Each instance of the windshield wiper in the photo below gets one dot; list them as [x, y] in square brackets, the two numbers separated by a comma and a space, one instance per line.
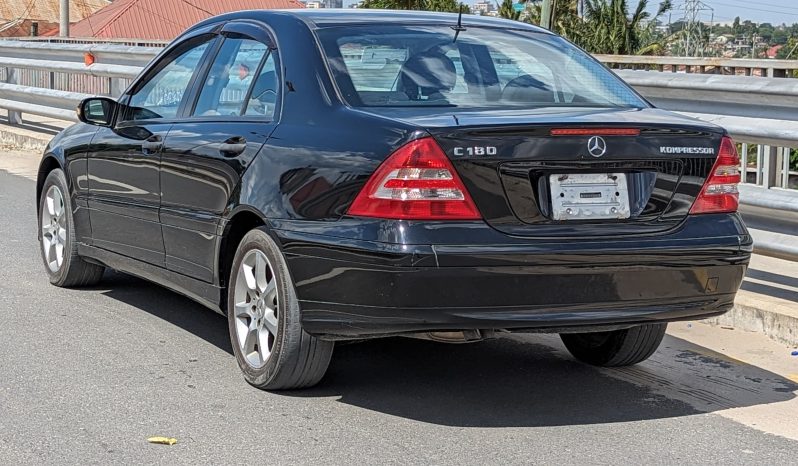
[459, 27]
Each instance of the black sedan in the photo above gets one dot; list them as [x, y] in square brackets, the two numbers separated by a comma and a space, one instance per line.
[320, 176]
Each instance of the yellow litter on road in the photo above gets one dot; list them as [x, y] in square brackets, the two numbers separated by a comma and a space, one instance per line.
[162, 440]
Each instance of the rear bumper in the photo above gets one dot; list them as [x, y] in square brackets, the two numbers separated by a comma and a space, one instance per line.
[351, 288]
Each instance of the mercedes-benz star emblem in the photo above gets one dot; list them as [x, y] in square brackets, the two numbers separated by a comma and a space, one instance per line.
[596, 146]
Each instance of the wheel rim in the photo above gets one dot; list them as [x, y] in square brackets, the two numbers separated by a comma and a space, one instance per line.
[54, 231]
[594, 340]
[256, 313]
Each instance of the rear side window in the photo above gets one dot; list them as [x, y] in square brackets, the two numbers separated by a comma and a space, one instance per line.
[418, 65]
[232, 73]
[263, 96]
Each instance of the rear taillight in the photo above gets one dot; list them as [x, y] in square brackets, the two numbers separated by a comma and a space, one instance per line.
[719, 193]
[417, 182]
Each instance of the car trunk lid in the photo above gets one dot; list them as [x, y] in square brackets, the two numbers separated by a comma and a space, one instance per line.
[513, 162]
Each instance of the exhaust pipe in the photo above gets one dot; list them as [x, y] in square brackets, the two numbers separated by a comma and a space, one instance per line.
[455, 336]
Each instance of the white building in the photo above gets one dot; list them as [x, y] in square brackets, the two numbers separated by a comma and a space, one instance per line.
[483, 7]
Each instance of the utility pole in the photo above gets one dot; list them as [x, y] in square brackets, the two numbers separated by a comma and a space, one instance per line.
[712, 26]
[753, 45]
[63, 30]
[547, 14]
[693, 39]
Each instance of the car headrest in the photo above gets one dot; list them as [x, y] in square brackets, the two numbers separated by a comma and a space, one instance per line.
[267, 81]
[427, 73]
[527, 89]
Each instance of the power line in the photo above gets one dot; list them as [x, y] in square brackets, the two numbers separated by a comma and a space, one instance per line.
[87, 11]
[162, 17]
[187, 2]
[758, 9]
[747, 4]
[21, 17]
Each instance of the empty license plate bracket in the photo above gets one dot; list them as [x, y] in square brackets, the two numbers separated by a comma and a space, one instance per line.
[589, 196]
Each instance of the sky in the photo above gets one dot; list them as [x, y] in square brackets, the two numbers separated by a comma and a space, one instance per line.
[767, 11]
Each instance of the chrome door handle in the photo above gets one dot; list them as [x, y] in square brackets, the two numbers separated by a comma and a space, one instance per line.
[152, 145]
[233, 146]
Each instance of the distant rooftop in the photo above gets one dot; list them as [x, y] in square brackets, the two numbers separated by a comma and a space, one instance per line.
[161, 19]
[18, 16]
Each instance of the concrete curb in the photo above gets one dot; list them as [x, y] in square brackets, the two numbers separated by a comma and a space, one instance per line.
[782, 328]
[25, 139]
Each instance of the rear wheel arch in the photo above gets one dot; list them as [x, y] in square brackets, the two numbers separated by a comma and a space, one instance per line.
[238, 225]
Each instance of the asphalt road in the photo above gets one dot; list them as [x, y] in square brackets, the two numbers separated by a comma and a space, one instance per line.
[87, 375]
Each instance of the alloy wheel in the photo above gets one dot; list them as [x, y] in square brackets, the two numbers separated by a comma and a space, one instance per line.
[256, 314]
[54, 228]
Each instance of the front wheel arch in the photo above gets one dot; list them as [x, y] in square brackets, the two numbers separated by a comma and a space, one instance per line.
[48, 164]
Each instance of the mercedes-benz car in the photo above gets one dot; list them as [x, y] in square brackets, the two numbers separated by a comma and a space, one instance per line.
[319, 176]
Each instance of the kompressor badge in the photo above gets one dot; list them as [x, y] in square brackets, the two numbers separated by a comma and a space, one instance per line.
[686, 150]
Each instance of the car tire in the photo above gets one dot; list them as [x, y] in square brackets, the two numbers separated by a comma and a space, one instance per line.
[261, 298]
[615, 348]
[59, 250]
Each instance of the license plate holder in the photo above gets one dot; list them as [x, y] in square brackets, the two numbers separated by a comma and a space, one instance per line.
[589, 196]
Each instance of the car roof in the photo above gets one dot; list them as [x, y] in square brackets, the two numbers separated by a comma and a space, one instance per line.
[324, 17]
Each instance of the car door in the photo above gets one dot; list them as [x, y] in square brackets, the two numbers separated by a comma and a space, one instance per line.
[124, 160]
[205, 154]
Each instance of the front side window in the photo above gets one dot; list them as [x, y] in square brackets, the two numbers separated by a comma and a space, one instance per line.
[161, 95]
[422, 65]
[232, 73]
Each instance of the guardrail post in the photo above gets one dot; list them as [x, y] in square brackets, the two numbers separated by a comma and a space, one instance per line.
[14, 117]
[770, 166]
[115, 87]
[744, 162]
[785, 167]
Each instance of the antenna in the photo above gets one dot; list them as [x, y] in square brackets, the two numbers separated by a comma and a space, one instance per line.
[459, 27]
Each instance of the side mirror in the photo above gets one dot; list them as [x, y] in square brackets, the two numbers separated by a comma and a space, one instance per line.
[97, 111]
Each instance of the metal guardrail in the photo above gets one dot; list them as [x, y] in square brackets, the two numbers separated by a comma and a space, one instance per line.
[760, 111]
[117, 64]
[715, 65]
[772, 218]
[91, 40]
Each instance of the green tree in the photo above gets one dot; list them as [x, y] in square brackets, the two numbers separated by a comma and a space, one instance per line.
[609, 28]
[506, 10]
[427, 5]
[790, 49]
[566, 21]
[780, 36]
[736, 29]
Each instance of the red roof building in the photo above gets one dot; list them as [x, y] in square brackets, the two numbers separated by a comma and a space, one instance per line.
[773, 51]
[18, 17]
[162, 19]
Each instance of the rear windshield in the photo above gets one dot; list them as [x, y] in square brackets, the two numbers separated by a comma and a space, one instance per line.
[423, 65]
